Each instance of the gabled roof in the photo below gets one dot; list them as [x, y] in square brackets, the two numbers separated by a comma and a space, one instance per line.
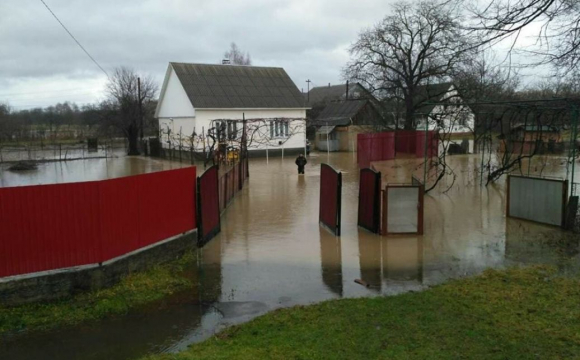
[425, 94]
[341, 113]
[326, 94]
[233, 86]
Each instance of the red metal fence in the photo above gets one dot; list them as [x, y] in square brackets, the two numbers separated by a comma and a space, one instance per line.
[208, 209]
[231, 182]
[375, 147]
[330, 198]
[386, 145]
[56, 226]
[369, 200]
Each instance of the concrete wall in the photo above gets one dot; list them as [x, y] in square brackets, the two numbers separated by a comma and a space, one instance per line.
[63, 283]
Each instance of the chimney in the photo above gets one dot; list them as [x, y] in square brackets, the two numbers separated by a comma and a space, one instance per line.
[328, 84]
[225, 61]
[347, 90]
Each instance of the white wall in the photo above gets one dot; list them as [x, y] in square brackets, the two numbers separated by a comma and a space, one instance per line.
[174, 101]
[203, 121]
[298, 129]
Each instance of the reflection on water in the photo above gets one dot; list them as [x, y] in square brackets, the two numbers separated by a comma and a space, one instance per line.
[271, 253]
[84, 170]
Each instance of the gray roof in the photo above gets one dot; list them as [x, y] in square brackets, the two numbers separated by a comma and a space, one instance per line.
[326, 94]
[232, 86]
[340, 113]
[429, 94]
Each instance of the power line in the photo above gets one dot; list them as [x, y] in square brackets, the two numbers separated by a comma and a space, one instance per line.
[72, 36]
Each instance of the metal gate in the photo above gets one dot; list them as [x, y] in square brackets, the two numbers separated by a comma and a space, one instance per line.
[369, 200]
[403, 209]
[330, 198]
[208, 210]
[537, 199]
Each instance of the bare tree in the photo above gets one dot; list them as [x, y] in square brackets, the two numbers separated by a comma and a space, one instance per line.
[127, 98]
[419, 44]
[236, 56]
[558, 37]
[482, 79]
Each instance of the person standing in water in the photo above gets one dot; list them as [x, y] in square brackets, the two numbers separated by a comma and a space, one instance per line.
[301, 162]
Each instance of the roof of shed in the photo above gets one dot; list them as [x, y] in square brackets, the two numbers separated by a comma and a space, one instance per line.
[231, 86]
[340, 113]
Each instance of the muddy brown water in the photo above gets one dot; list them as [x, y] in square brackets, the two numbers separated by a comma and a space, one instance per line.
[272, 253]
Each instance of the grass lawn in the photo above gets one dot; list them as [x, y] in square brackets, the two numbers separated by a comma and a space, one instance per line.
[134, 290]
[512, 314]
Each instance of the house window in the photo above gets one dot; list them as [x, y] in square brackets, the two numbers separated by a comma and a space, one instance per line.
[279, 128]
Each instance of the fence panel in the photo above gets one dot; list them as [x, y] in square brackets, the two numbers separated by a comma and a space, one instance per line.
[369, 200]
[405, 141]
[432, 144]
[330, 198]
[375, 147]
[537, 199]
[48, 227]
[208, 205]
[403, 209]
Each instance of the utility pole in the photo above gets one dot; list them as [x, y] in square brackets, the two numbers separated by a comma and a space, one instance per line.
[308, 91]
[140, 108]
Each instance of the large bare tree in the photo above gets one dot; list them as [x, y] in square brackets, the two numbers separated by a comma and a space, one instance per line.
[419, 44]
[236, 56]
[129, 94]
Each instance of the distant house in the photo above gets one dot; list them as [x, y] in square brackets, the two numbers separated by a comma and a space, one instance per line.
[197, 97]
[528, 139]
[340, 122]
[322, 95]
[441, 107]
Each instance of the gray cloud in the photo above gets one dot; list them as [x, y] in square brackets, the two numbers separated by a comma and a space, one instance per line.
[308, 38]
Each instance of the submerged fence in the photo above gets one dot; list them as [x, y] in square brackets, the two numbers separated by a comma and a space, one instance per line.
[59, 152]
[387, 145]
[537, 199]
[231, 182]
[48, 227]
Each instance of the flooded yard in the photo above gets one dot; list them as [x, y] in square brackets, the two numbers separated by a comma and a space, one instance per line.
[272, 253]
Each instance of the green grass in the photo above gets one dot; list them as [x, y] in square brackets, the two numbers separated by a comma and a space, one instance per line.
[132, 291]
[512, 314]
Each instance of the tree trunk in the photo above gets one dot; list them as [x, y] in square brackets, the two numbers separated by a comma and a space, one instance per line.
[409, 113]
[133, 137]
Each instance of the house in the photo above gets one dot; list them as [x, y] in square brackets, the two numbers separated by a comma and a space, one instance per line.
[326, 94]
[198, 100]
[528, 139]
[442, 106]
[340, 122]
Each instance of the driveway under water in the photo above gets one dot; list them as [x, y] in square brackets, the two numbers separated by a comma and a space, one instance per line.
[272, 253]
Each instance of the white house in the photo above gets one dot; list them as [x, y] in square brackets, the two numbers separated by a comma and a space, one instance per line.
[198, 97]
[444, 109]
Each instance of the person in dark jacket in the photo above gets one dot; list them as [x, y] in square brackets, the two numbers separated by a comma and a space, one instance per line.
[301, 162]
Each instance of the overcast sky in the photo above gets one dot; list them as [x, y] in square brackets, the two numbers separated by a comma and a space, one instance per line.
[41, 65]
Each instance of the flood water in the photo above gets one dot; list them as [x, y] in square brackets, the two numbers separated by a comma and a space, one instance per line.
[272, 253]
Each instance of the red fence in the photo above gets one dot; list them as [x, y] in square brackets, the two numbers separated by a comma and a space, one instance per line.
[208, 206]
[330, 198]
[432, 144]
[406, 141]
[375, 147]
[49, 227]
[369, 200]
[385, 145]
[231, 182]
